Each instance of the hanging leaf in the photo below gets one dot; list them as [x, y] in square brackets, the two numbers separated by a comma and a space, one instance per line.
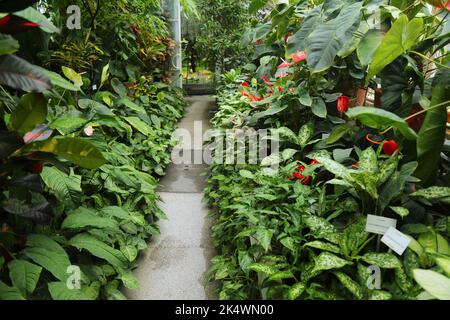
[8, 45]
[399, 39]
[31, 111]
[327, 39]
[72, 75]
[381, 119]
[20, 74]
[79, 151]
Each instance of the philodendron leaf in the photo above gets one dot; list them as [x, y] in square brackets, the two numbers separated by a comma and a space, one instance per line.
[380, 119]
[24, 276]
[399, 39]
[31, 111]
[434, 283]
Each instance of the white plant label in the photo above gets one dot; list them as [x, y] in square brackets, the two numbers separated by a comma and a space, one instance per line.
[396, 240]
[379, 225]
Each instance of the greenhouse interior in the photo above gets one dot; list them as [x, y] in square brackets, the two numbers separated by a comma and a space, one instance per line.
[225, 150]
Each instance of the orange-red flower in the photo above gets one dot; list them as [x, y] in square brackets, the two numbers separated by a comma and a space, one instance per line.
[389, 147]
[342, 103]
[299, 56]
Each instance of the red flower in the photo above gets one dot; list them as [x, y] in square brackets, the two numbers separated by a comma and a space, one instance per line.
[244, 93]
[280, 89]
[4, 21]
[36, 168]
[254, 98]
[299, 56]
[244, 84]
[389, 147]
[440, 4]
[298, 175]
[285, 65]
[342, 104]
[314, 162]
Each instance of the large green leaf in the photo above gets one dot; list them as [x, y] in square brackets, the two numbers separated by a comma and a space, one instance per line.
[99, 249]
[400, 38]
[433, 193]
[434, 283]
[60, 291]
[381, 119]
[328, 261]
[83, 217]
[31, 111]
[9, 293]
[57, 80]
[350, 284]
[255, 5]
[19, 74]
[382, 260]
[139, 125]
[67, 188]
[327, 39]
[77, 150]
[24, 276]
[48, 254]
[432, 134]
[368, 46]
[335, 168]
[8, 45]
[33, 15]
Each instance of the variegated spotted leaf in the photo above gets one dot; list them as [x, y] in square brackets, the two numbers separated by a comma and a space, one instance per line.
[323, 246]
[402, 280]
[351, 285]
[379, 295]
[265, 269]
[387, 169]
[285, 134]
[354, 237]
[281, 275]
[366, 181]
[433, 193]
[335, 168]
[368, 161]
[401, 211]
[296, 290]
[382, 260]
[321, 228]
[328, 261]
[305, 134]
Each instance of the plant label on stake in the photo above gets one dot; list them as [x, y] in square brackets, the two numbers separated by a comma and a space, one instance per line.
[396, 240]
[379, 225]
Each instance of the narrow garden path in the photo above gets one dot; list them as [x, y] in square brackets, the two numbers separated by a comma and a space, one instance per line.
[175, 265]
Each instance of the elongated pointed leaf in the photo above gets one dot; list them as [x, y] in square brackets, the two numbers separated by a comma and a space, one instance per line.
[22, 75]
[24, 275]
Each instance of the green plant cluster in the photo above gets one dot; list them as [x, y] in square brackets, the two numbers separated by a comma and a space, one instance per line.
[299, 232]
[79, 164]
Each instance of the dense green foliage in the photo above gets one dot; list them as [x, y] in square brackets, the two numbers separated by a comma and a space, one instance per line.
[83, 143]
[299, 232]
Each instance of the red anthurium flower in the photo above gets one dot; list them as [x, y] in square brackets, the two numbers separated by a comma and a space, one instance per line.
[4, 20]
[285, 65]
[15, 24]
[342, 104]
[298, 175]
[244, 93]
[299, 56]
[314, 162]
[280, 89]
[244, 84]
[440, 4]
[389, 147]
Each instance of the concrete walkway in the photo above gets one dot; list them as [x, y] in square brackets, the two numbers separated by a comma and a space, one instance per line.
[175, 265]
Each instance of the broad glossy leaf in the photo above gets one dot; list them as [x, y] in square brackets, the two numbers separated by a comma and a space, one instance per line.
[24, 276]
[335, 168]
[48, 254]
[381, 119]
[60, 291]
[434, 283]
[57, 80]
[328, 261]
[8, 45]
[79, 151]
[139, 125]
[66, 188]
[83, 217]
[327, 39]
[72, 75]
[432, 134]
[368, 45]
[337, 133]
[319, 108]
[99, 249]
[9, 293]
[33, 15]
[399, 39]
[19, 74]
[31, 111]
